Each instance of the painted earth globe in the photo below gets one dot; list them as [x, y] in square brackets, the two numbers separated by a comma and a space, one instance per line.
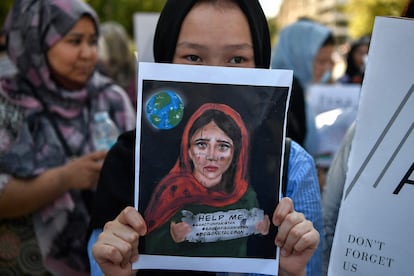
[165, 110]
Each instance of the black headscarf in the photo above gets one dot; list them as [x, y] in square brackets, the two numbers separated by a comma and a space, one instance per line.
[174, 12]
[165, 40]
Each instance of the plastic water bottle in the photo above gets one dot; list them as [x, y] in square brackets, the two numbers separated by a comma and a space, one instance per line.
[105, 133]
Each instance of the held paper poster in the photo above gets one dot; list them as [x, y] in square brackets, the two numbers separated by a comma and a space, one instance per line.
[210, 143]
[335, 107]
[374, 232]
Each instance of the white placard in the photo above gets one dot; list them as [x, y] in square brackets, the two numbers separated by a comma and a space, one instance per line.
[335, 107]
[375, 226]
[144, 29]
[325, 97]
[244, 89]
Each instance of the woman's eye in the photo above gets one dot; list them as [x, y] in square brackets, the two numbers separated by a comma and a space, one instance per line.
[74, 41]
[201, 145]
[193, 58]
[223, 147]
[93, 41]
[237, 60]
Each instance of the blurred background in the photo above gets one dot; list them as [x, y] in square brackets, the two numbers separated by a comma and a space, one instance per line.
[348, 18]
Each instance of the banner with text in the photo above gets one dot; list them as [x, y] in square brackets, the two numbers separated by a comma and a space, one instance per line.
[374, 230]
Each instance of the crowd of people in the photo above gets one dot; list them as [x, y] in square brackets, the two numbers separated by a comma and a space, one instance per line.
[66, 208]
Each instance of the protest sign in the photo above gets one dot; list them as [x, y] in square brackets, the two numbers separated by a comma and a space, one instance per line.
[374, 231]
[326, 97]
[144, 29]
[335, 108]
[176, 137]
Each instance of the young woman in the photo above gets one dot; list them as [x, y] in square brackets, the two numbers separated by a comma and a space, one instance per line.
[305, 47]
[355, 61]
[48, 165]
[206, 32]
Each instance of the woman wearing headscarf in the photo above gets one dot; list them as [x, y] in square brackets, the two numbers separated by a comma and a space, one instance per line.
[355, 61]
[306, 48]
[48, 165]
[173, 24]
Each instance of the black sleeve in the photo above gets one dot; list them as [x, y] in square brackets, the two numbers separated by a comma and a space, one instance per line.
[296, 119]
[115, 189]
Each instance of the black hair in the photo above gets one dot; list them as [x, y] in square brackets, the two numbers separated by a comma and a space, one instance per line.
[228, 126]
[408, 9]
[330, 40]
[352, 69]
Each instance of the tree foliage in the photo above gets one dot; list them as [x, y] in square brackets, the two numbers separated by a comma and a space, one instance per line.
[362, 14]
[5, 6]
[273, 29]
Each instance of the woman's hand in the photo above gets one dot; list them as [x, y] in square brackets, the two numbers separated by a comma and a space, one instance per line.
[31, 194]
[179, 231]
[296, 237]
[263, 226]
[82, 172]
[117, 246]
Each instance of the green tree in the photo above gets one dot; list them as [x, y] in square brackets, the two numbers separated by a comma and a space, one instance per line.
[5, 6]
[273, 29]
[362, 14]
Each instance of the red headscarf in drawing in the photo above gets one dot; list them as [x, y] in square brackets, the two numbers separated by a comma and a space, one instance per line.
[179, 187]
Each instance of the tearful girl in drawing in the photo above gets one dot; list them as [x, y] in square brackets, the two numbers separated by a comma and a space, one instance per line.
[209, 177]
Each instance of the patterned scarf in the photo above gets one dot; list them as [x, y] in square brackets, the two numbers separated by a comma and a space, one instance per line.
[32, 27]
[29, 142]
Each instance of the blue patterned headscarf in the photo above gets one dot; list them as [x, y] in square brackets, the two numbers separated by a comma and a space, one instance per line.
[297, 47]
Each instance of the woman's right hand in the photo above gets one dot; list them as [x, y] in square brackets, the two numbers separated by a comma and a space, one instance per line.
[117, 246]
[179, 231]
[82, 172]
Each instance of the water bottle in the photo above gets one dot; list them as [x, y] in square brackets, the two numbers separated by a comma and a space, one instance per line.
[104, 131]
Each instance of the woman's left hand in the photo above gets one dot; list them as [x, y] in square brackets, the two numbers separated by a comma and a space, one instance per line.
[296, 238]
[263, 226]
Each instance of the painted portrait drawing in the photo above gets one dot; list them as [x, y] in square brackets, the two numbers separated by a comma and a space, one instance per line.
[210, 145]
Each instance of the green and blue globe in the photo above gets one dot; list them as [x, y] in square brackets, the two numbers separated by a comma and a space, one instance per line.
[165, 109]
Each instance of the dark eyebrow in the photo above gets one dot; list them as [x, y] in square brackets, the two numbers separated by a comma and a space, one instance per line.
[191, 45]
[224, 142]
[240, 46]
[202, 139]
[74, 34]
[208, 139]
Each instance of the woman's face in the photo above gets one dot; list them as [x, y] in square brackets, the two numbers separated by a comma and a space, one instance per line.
[215, 35]
[322, 62]
[359, 55]
[72, 59]
[211, 152]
